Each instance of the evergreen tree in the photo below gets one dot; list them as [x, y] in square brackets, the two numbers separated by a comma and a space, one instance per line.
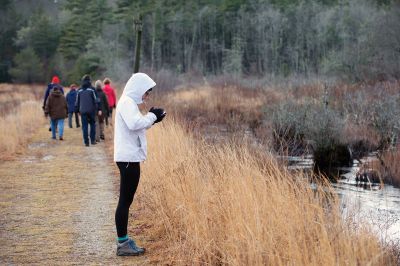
[10, 21]
[354, 39]
[28, 68]
[76, 30]
[42, 35]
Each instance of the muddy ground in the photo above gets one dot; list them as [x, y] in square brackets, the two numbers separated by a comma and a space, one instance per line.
[57, 204]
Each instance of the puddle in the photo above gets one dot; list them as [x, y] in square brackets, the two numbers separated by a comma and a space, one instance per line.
[48, 157]
[37, 145]
[30, 159]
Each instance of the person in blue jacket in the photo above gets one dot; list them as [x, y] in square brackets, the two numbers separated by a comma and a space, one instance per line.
[71, 99]
[87, 104]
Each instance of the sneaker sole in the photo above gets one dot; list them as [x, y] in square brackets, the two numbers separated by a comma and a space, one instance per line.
[130, 254]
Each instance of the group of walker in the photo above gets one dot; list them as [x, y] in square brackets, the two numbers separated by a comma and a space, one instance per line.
[93, 105]
[130, 144]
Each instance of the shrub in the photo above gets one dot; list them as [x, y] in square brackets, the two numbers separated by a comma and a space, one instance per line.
[289, 126]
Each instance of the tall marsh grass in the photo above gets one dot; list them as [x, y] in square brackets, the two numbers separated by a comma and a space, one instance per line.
[18, 126]
[389, 166]
[225, 205]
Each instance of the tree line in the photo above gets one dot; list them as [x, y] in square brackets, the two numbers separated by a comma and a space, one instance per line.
[350, 39]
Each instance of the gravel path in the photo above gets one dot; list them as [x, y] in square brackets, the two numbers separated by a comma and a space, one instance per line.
[57, 205]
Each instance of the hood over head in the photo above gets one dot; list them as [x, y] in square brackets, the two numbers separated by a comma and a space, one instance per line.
[86, 83]
[56, 92]
[137, 86]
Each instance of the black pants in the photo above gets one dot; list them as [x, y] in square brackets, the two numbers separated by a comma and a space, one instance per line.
[130, 175]
[76, 119]
[88, 119]
[109, 115]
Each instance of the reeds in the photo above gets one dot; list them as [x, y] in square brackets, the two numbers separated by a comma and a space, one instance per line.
[225, 205]
[389, 166]
[17, 126]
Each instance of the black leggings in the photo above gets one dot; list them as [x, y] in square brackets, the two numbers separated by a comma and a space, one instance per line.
[130, 174]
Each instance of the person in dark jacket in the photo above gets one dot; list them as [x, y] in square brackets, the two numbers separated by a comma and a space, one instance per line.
[87, 105]
[104, 110]
[56, 108]
[71, 99]
[55, 82]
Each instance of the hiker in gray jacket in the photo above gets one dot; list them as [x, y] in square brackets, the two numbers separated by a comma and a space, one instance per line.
[87, 105]
[104, 109]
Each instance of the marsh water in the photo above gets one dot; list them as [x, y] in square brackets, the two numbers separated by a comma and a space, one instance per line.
[376, 204]
[372, 203]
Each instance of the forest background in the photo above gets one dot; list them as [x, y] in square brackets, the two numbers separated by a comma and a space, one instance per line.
[352, 40]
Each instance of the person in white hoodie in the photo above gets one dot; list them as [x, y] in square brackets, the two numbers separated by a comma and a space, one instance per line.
[130, 148]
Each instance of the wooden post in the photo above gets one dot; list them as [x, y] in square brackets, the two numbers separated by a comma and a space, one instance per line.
[138, 27]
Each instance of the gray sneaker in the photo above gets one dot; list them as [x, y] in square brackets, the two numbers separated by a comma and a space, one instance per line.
[129, 248]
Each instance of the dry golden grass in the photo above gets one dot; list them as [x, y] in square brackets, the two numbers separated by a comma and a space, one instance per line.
[229, 111]
[20, 116]
[389, 167]
[13, 94]
[17, 127]
[220, 99]
[223, 205]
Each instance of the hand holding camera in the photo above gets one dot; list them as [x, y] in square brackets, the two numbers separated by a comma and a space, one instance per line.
[159, 112]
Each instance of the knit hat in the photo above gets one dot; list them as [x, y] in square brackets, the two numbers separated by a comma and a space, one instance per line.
[55, 80]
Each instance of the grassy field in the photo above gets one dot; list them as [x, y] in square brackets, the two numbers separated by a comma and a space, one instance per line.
[222, 202]
[20, 117]
[294, 120]
[226, 205]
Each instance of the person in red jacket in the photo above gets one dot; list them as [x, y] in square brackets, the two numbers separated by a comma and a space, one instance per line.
[111, 97]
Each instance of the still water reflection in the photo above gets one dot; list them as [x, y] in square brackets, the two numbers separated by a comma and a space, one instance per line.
[376, 204]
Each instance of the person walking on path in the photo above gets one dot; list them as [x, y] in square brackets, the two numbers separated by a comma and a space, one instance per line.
[87, 105]
[130, 148]
[56, 108]
[111, 97]
[71, 99]
[104, 110]
[55, 82]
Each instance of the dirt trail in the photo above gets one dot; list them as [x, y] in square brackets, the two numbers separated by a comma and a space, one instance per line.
[57, 205]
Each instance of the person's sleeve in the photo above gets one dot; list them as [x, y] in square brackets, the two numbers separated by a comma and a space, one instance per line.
[47, 106]
[66, 107]
[114, 97]
[77, 102]
[134, 119]
[96, 100]
[46, 95]
[107, 107]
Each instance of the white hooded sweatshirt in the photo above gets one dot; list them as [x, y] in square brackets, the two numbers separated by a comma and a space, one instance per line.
[130, 143]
